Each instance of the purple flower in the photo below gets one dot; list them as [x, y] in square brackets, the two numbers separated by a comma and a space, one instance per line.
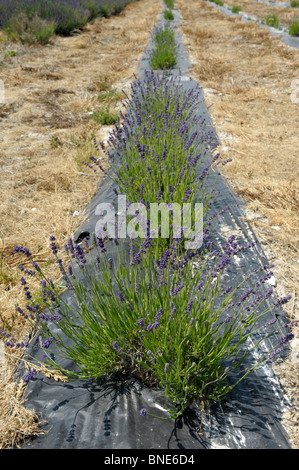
[286, 338]
[158, 315]
[189, 307]
[143, 412]
[177, 289]
[151, 326]
[187, 194]
[30, 375]
[53, 245]
[116, 347]
[283, 300]
[22, 249]
[172, 313]
[228, 318]
[275, 352]
[270, 322]
[136, 259]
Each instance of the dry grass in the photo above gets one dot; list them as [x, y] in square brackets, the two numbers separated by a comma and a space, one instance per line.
[246, 75]
[46, 131]
[262, 10]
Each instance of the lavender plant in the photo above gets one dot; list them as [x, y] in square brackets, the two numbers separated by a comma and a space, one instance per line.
[294, 28]
[158, 152]
[169, 3]
[171, 323]
[164, 53]
[29, 30]
[168, 15]
[67, 15]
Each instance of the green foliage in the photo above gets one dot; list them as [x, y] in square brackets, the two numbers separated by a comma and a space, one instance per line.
[295, 4]
[105, 117]
[30, 30]
[217, 2]
[236, 9]
[9, 54]
[164, 55]
[169, 3]
[294, 28]
[105, 12]
[172, 323]
[110, 96]
[272, 20]
[168, 15]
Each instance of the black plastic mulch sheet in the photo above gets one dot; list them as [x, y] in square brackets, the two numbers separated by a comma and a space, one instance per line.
[85, 414]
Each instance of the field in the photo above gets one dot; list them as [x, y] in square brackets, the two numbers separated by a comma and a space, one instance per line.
[247, 77]
[55, 95]
[46, 131]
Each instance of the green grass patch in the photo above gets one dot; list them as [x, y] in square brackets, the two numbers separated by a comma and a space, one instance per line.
[236, 9]
[294, 28]
[272, 20]
[9, 54]
[105, 116]
[110, 96]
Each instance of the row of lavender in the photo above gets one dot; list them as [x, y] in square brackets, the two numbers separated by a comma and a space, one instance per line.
[156, 311]
[67, 15]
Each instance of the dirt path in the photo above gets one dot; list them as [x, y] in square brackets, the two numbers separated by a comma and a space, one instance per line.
[247, 78]
[46, 131]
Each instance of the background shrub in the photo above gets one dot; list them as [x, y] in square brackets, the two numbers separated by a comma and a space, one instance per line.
[67, 15]
[29, 30]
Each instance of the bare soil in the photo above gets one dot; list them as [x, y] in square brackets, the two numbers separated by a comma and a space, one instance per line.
[247, 75]
[46, 131]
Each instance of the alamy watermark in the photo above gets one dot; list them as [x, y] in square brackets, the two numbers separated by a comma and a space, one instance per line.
[156, 220]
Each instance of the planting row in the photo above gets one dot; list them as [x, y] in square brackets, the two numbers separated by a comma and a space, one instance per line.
[146, 305]
[270, 15]
[42, 18]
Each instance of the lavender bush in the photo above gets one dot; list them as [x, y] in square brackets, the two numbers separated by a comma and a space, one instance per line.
[169, 3]
[66, 14]
[172, 323]
[158, 152]
[164, 53]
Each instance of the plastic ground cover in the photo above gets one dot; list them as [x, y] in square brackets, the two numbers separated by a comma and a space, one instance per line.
[292, 41]
[86, 414]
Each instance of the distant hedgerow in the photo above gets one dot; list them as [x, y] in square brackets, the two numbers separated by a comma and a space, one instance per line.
[67, 15]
